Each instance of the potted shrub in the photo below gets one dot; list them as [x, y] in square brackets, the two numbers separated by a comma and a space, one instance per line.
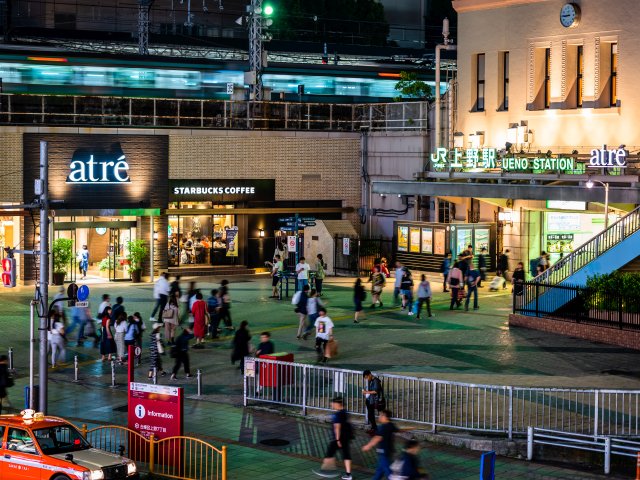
[105, 265]
[138, 252]
[62, 253]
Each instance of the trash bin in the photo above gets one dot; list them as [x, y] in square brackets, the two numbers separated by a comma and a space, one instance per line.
[276, 375]
[36, 397]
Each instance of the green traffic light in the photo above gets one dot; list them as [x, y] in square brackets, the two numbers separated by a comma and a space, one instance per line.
[268, 10]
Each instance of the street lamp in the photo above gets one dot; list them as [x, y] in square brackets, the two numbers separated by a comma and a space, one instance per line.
[590, 184]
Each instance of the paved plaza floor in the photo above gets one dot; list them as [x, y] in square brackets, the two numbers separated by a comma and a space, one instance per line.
[476, 347]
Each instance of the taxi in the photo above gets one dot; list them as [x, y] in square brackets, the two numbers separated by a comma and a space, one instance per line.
[36, 447]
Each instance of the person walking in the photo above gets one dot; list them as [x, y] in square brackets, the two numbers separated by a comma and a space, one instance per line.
[174, 288]
[6, 380]
[200, 320]
[120, 332]
[455, 280]
[321, 266]
[213, 307]
[313, 305]
[503, 266]
[406, 289]
[445, 268]
[79, 318]
[517, 279]
[181, 349]
[241, 347]
[301, 310]
[131, 333]
[324, 333]
[396, 287]
[372, 393]
[83, 261]
[57, 340]
[106, 302]
[384, 445]
[482, 266]
[277, 267]
[409, 462]
[107, 344]
[161, 291]
[359, 295]
[140, 328]
[342, 434]
[424, 295]
[225, 304]
[155, 360]
[302, 270]
[472, 279]
[171, 318]
[377, 286]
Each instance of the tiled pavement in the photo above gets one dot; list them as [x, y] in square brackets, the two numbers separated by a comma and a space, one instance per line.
[477, 347]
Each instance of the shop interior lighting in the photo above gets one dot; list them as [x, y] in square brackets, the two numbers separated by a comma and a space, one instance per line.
[506, 217]
[261, 233]
[155, 235]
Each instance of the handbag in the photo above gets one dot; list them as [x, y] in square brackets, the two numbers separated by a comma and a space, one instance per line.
[167, 313]
[331, 348]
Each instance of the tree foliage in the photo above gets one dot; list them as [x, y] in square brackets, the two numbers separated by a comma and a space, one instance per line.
[332, 21]
[410, 86]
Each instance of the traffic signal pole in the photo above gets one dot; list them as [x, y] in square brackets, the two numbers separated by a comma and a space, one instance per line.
[43, 278]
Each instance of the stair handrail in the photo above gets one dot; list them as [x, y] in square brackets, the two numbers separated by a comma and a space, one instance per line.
[591, 249]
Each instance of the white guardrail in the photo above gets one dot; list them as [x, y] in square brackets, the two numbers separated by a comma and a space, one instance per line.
[440, 404]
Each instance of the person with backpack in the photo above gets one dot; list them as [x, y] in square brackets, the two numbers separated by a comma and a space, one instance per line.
[359, 296]
[373, 398]
[383, 443]
[321, 266]
[301, 309]
[342, 435]
[445, 268]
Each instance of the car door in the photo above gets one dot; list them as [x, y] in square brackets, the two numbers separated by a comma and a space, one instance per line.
[20, 457]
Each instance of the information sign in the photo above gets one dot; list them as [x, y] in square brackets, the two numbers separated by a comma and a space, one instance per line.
[346, 246]
[155, 409]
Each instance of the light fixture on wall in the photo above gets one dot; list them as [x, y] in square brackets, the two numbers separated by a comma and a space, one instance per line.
[261, 233]
[506, 217]
[155, 235]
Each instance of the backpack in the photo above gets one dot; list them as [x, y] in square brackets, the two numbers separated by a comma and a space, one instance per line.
[381, 402]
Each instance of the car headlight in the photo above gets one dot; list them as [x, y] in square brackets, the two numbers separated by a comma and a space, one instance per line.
[131, 468]
[96, 475]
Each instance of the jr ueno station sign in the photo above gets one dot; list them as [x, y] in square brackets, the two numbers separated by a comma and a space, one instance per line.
[491, 160]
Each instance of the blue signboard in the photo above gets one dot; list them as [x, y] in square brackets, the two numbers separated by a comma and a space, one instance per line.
[83, 293]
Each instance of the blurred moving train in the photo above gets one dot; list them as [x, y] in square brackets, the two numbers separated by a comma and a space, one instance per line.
[71, 74]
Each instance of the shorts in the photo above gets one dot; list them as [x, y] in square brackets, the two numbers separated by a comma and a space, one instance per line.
[358, 305]
[406, 293]
[333, 448]
[274, 281]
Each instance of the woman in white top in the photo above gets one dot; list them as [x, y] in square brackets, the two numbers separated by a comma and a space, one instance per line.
[56, 339]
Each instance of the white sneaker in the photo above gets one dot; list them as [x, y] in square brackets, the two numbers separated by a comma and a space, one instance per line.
[152, 319]
[410, 313]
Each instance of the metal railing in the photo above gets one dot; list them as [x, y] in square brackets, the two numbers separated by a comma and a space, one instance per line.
[592, 249]
[79, 111]
[499, 409]
[183, 458]
[572, 303]
[608, 446]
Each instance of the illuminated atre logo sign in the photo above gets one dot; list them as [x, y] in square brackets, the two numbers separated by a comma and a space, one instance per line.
[603, 158]
[98, 168]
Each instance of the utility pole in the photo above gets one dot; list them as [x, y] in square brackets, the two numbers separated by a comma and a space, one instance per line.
[43, 279]
[144, 6]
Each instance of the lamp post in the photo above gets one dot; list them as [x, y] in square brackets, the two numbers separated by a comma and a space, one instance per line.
[590, 184]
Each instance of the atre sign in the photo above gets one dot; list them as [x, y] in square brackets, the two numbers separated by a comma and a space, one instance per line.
[604, 158]
[98, 169]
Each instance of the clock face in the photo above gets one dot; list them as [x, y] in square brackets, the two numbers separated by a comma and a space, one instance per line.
[570, 15]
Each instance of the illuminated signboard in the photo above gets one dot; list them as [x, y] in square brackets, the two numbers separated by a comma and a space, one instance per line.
[478, 159]
[566, 205]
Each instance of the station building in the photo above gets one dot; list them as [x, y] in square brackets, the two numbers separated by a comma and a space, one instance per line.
[545, 107]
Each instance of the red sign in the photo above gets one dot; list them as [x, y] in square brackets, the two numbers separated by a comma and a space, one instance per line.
[155, 409]
[9, 272]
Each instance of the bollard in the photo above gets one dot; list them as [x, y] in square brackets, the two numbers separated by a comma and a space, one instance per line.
[113, 373]
[11, 369]
[154, 375]
[199, 379]
[75, 369]
[529, 443]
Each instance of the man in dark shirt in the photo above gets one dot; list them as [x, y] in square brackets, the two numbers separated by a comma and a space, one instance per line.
[266, 346]
[371, 392]
[342, 435]
[116, 309]
[410, 463]
[383, 442]
[471, 279]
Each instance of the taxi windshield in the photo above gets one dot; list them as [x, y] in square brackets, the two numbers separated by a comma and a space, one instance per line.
[61, 439]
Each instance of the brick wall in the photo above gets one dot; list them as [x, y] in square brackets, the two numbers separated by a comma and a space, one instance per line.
[11, 162]
[305, 167]
[611, 336]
